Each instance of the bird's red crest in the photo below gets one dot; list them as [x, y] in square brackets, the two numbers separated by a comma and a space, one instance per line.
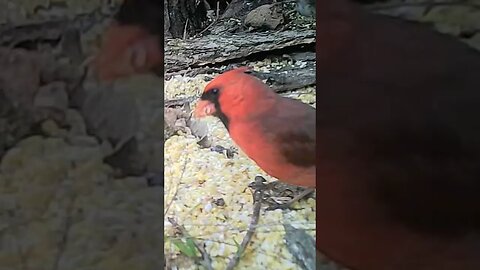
[226, 76]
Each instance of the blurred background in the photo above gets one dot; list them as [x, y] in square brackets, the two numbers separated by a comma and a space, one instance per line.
[75, 154]
[81, 161]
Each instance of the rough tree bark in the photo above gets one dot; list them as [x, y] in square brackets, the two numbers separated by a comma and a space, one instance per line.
[215, 49]
[181, 13]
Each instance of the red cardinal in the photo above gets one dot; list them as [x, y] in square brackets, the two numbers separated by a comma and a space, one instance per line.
[133, 43]
[398, 158]
[278, 133]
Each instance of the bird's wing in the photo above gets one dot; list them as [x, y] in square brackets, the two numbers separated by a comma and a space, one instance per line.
[292, 128]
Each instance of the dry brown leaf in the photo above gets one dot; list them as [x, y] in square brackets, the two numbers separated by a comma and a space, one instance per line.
[200, 130]
[175, 120]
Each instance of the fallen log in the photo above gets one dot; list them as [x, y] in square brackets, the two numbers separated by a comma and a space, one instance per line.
[219, 49]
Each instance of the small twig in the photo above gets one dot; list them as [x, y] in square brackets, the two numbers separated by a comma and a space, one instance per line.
[288, 205]
[185, 30]
[257, 199]
[207, 261]
[214, 21]
[207, 5]
[206, 28]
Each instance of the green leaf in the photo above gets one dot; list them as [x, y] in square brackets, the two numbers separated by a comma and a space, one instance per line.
[236, 243]
[188, 248]
[239, 248]
[192, 246]
[184, 249]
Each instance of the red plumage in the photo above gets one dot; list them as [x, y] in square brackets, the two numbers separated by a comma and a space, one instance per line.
[278, 133]
[133, 43]
[399, 143]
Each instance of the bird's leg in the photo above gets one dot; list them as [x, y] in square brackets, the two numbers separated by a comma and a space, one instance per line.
[288, 205]
[279, 195]
[258, 184]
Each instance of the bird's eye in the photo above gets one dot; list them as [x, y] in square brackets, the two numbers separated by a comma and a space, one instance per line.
[215, 91]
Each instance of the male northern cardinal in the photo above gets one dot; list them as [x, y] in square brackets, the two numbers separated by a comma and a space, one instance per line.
[133, 43]
[278, 133]
[398, 159]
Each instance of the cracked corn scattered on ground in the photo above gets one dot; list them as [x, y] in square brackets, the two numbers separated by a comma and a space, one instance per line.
[195, 178]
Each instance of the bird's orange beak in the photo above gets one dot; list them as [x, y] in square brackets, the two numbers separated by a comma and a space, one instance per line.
[204, 108]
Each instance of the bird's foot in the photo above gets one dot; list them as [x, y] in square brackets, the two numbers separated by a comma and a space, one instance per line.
[258, 188]
[258, 184]
[283, 196]
[279, 195]
[228, 152]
